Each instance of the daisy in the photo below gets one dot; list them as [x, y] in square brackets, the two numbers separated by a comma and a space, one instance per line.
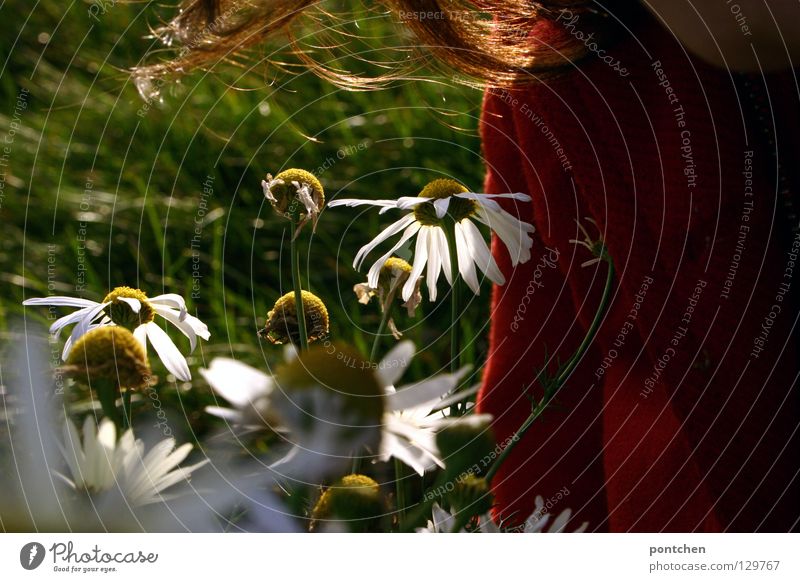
[408, 423]
[443, 522]
[439, 200]
[101, 463]
[131, 308]
[295, 194]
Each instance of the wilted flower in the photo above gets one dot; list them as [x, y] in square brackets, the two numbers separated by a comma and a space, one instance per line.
[282, 324]
[295, 194]
[132, 309]
[596, 246]
[354, 503]
[393, 275]
[447, 199]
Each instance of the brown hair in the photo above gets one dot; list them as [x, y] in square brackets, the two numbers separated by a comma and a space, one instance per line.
[493, 42]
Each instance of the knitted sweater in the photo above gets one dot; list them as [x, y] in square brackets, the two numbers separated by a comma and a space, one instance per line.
[683, 414]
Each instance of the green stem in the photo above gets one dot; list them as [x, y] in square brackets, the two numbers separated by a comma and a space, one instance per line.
[298, 292]
[400, 487]
[107, 395]
[127, 413]
[387, 311]
[554, 385]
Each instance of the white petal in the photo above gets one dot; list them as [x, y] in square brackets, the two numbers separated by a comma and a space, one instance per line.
[420, 258]
[408, 202]
[444, 249]
[423, 392]
[174, 317]
[375, 270]
[59, 300]
[394, 363]
[236, 382]
[465, 265]
[167, 351]
[140, 333]
[351, 202]
[171, 300]
[478, 196]
[387, 232]
[441, 205]
[73, 317]
[82, 327]
[133, 303]
[513, 232]
[434, 263]
[480, 252]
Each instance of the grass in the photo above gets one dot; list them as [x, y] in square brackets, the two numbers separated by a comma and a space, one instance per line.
[89, 162]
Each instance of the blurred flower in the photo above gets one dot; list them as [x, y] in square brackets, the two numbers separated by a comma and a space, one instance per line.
[102, 463]
[443, 522]
[393, 275]
[132, 309]
[353, 504]
[109, 353]
[409, 427]
[442, 199]
[295, 194]
[282, 324]
[246, 388]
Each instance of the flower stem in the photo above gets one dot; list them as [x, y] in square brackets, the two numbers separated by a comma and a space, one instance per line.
[400, 487]
[107, 395]
[387, 313]
[552, 386]
[127, 413]
[455, 309]
[298, 293]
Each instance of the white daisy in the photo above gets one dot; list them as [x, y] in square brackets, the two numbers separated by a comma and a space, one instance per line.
[131, 308]
[443, 522]
[407, 428]
[101, 463]
[447, 198]
[409, 422]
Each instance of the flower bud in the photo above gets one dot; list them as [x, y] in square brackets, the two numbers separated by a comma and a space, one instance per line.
[109, 354]
[282, 324]
[354, 500]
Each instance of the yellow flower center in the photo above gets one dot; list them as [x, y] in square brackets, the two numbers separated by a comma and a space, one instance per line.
[459, 208]
[122, 314]
[286, 201]
[354, 499]
[109, 353]
[282, 321]
[342, 370]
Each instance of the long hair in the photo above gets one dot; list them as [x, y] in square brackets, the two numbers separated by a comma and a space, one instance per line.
[491, 42]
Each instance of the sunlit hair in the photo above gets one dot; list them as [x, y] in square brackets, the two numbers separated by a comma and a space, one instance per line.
[491, 42]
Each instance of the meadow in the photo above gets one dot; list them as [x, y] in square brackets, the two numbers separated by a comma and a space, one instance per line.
[101, 187]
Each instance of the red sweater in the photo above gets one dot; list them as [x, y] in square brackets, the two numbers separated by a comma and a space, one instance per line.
[683, 414]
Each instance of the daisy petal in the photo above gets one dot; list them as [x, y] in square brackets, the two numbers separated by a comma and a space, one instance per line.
[394, 363]
[375, 270]
[477, 196]
[236, 382]
[420, 258]
[132, 302]
[167, 352]
[171, 300]
[465, 265]
[441, 206]
[480, 252]
[387, 232]
[60, 301]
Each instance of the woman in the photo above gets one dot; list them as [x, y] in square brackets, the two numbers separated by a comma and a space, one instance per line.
[631, 125]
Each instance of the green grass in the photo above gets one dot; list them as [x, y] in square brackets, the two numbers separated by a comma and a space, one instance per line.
[147, 172]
